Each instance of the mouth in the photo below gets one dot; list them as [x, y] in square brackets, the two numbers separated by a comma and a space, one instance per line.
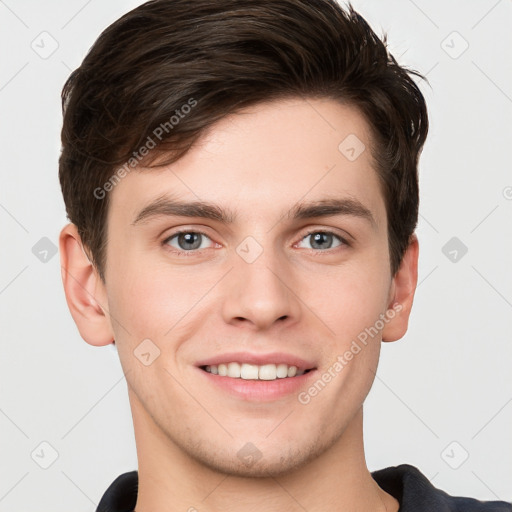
[248, 371]
[259, 378]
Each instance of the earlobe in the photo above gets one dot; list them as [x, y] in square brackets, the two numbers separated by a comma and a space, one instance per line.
[402, 291]
[84, 289]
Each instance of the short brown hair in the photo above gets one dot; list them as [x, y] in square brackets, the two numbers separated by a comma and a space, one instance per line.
[220, 57]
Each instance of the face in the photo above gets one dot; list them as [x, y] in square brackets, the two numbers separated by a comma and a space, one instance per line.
[281, 273]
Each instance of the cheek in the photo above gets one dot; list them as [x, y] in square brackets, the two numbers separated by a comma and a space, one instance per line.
[156, 302]
[135, 302]
[348, 299]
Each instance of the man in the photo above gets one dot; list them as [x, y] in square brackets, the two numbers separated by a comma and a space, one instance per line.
[210, 151]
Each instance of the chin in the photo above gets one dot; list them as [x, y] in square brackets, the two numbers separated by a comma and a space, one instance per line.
[251, 462]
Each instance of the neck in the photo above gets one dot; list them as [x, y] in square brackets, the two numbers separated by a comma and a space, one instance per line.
[338, 479]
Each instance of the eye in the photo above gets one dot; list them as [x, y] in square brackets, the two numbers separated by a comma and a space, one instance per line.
[187, 241]
[323, 240]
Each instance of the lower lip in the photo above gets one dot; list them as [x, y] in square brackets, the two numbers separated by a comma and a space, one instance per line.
[260, 390]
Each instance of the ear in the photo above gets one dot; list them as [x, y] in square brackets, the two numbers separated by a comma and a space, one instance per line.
[401, 293]
[85, 291]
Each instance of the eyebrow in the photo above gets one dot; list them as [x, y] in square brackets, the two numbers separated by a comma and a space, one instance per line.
[168, 206]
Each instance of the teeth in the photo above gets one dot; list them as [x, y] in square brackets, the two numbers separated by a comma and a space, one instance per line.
[249, 371]
[254, 372]
[282, 371]
[234, 370]
[268, 372]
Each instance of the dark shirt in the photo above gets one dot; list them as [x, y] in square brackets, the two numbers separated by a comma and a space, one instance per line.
[406, 483]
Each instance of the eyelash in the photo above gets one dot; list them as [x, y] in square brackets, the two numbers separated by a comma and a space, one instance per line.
[183, 253]
[194, 252]
[325, 232]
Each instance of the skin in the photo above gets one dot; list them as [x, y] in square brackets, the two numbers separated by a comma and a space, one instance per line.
[295, 297]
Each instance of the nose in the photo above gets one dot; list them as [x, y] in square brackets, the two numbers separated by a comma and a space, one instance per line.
[260, 294]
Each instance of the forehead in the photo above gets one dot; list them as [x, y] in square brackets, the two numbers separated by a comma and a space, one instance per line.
[264, 159]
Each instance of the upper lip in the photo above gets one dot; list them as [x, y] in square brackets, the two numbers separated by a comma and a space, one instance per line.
[258, 359]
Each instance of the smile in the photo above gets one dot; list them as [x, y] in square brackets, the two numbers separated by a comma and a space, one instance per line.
[248, 371]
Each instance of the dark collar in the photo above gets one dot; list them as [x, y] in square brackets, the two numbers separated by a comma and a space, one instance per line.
[407, 484]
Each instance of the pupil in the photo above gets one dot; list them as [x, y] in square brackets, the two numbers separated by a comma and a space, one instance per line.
[320, 238]
[192, 239]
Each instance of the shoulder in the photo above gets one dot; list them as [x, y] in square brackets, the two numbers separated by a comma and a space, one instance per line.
[121, 495]
[415, 492]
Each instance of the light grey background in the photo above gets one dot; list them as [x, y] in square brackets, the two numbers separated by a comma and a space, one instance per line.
[441, 393]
